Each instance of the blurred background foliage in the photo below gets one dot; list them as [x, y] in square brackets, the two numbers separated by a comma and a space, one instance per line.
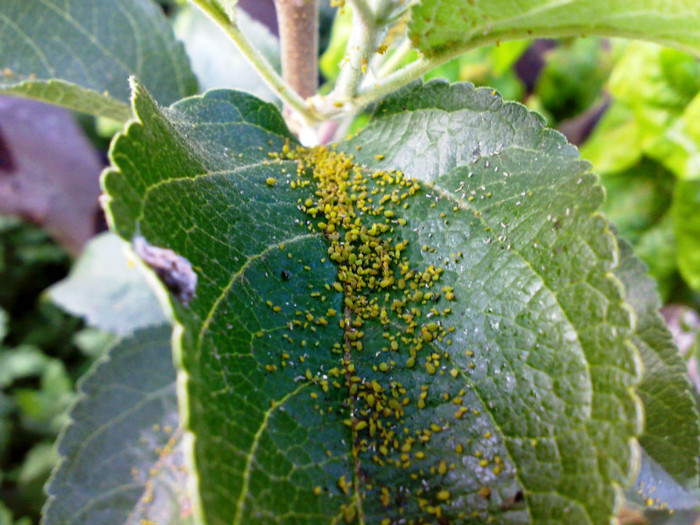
[632, 108]
[43, 351]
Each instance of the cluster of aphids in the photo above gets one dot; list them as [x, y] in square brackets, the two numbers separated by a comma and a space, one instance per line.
[360, 215]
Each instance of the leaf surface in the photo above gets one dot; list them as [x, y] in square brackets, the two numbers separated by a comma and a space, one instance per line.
[438, 25]
[671, 448]
[121, 456]
[462, 357]
[79, 54]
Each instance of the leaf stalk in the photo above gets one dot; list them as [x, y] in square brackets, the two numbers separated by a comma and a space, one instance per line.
[282, 88]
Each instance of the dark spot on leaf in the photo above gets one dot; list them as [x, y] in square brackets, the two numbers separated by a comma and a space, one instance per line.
[285, 275]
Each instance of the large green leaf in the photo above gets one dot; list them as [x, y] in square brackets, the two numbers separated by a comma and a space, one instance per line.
[470, 362]
[122, 459]
[670, 443]
[438, 25]
[79, 54]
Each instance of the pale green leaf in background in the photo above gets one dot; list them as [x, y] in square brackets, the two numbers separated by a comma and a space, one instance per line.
[108, 290]
[616, 143]
[21, 362]
[686, 218]
[215, 59]
[654, 115]
[653, 112]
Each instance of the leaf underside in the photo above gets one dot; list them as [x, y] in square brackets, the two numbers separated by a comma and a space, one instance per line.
[668, 478]
[438, 25]
[317, 393]
[122, 459]
[81, 54]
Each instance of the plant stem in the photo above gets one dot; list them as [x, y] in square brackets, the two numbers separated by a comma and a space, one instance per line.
[283, 90]
[298, 29]
[395, 59]
[363, 11]
[409, 73]
[360, 47]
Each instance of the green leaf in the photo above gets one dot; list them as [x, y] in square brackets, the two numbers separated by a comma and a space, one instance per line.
[670, 443]
[616, 142]
[439, 26]
[121, 456]
[37, 464]
[80, 54]
[655, 112]
[686, 200]
[108, 290]
[23, 361]
[656, 82]
[504, 394]
[679, 147]
[3, 324]
[508, 170]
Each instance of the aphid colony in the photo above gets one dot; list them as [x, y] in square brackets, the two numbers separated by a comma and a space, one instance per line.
[357, 213]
